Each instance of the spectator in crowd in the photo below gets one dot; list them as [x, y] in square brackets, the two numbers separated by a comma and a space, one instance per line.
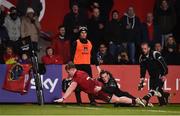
[83, 5]
[104, 6]
[150, 31]
[92, 6]
[24, 59]
[30, 26]
[166, 18]
[3, 35]
[96, 28]
[73, 20]
[113, 33]
[13, 25]
[61, 44]
[22, 6]
[170, 50]
[177, 28]
[158, 47]
[82, 56]
[3, 31]
[157, 4]
[122, 58]
[131, 32]
[51, 58]
[10, 57]
[103, 56]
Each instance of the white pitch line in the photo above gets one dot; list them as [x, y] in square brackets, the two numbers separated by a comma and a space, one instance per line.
[79, 107]
[159, 111]
[85, 107]
[155, 111]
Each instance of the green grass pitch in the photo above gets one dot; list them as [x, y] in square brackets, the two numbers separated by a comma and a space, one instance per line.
[85, 109]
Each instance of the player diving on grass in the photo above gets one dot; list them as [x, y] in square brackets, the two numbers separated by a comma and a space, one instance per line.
[94, 87]
[110, 86]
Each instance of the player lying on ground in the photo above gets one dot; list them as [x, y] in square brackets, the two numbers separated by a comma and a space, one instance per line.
[93, 87]
[110, 86]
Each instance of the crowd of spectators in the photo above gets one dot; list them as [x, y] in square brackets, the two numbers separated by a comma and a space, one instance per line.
[19, 34]
[115, 39]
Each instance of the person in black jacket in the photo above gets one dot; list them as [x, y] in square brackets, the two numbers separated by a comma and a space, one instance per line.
[105, 7]
[150, 31]
[113, 34]
[131, 32]
[83, 5]
[96, 27]
[165, 17]
[110, 86]
[170, 52]
[72, 21]
[103, 56]
[154, 63]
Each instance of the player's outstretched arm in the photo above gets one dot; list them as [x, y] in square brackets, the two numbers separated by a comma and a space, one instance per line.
[98, 69]
[69, 91]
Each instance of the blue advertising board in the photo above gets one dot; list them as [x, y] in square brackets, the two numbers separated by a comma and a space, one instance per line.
[51, 82]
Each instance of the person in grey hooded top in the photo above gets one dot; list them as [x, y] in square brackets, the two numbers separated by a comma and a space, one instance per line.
[131, 33]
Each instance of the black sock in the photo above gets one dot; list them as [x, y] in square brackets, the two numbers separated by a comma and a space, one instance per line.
[78, 96]
[161, 99]
[133, 102]
[148, 96]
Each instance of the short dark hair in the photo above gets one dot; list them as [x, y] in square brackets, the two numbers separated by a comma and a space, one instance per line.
[69, 65]
[49, 47]
[61, 26]
[105, 71]
[171, 36]
[157, 43]
[115, 11]
[74, 4]
[145, 43]
[103, 44]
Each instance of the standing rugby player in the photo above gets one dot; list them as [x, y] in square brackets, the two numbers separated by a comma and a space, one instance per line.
[153, 62]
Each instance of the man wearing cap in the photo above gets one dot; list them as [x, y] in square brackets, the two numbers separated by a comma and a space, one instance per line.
[12, 23]
[82, 55]
[31, 27]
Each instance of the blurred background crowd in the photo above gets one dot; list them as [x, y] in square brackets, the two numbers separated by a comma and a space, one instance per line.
[115, 36]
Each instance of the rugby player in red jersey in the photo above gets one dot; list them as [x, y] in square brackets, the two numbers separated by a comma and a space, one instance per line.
[93, 87]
